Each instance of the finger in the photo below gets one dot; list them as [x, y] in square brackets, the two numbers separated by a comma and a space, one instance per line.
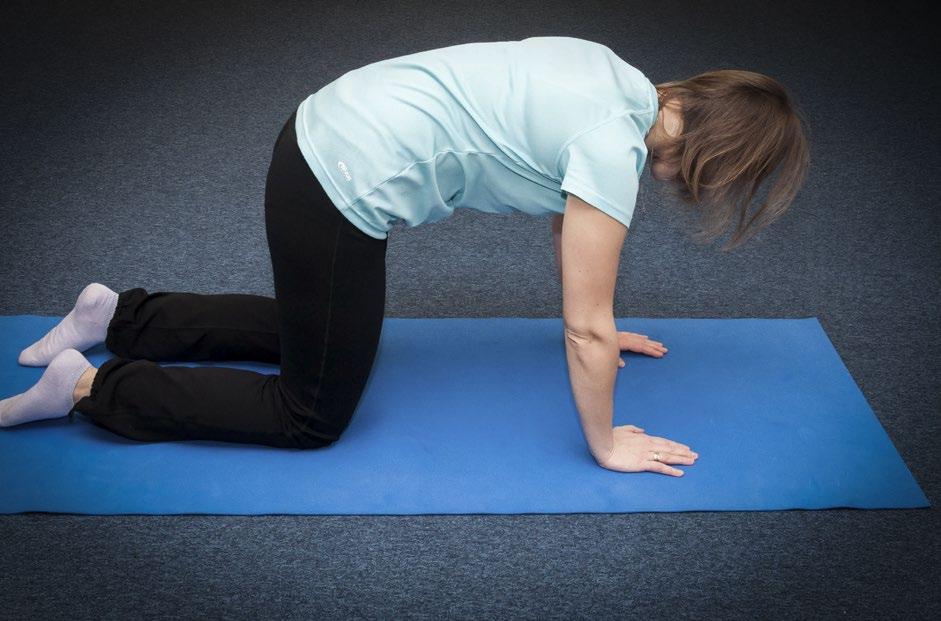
[677, 458]
[633, 428]
[676, 447]
[633, 336]
[667, 443]
[656, 466]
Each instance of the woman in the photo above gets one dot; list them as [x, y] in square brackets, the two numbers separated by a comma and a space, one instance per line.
[546, 126]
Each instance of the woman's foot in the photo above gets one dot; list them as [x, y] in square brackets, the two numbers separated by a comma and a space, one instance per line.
[85, 325]
[52, 396]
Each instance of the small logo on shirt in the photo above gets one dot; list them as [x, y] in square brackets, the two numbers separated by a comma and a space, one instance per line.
[346, 171]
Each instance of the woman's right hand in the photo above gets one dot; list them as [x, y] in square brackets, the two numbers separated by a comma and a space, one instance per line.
[633, 451]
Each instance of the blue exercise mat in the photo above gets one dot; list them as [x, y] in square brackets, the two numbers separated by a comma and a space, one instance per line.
[477, 416]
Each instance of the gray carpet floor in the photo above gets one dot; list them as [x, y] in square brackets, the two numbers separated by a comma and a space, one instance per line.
[135, 141]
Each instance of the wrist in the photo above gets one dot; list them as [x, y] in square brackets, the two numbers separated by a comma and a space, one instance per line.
[601, 450]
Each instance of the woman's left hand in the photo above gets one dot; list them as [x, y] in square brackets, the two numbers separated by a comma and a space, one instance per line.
[640, 344]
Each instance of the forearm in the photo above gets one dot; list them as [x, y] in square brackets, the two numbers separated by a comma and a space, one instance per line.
[592, 364]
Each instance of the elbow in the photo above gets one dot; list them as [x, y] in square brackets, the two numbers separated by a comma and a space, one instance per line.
[582, 334]
[592, 349]
[578, 337]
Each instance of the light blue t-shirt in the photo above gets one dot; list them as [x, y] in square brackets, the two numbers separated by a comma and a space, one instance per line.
[495, 126]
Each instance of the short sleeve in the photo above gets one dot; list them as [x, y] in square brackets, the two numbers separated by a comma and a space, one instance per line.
[602, 166]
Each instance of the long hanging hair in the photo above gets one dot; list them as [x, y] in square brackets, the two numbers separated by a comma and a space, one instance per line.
[738, 128]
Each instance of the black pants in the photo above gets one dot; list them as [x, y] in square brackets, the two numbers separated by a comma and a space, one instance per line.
[322, 328]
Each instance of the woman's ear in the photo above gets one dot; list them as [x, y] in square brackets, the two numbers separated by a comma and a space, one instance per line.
[672, 120]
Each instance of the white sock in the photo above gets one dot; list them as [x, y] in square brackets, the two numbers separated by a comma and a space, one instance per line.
[51, 396]
[85, 325]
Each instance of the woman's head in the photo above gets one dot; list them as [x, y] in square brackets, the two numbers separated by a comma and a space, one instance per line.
[717, 136]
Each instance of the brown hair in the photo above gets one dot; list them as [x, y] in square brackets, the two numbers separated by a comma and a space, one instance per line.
[738, 127]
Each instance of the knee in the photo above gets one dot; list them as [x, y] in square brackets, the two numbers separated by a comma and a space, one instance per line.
[306, 433]
[306, 424]
[308, 429]
[301, 441]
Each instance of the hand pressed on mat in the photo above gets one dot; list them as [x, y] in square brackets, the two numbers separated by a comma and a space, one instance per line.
[639, 344]
[633, 451]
